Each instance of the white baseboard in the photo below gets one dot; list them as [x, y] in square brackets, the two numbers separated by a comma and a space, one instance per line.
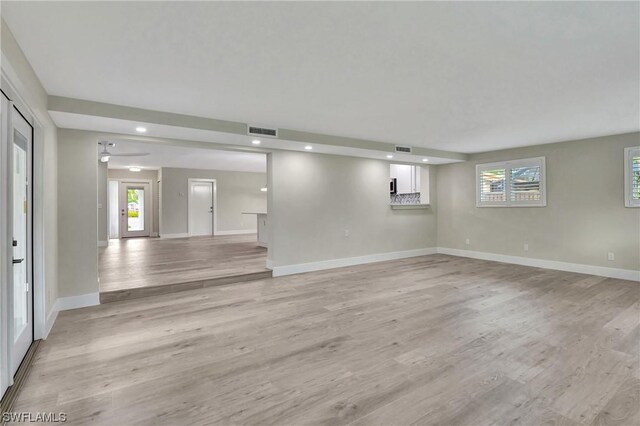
[279, 271]
[169, 236]
[238, 232]
[103, 243]
[51, 319]
[75, 302]
[623, 274]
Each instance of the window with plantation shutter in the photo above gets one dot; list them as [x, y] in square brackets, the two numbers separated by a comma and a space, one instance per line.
[517, 183]
[632, 176]
[492, 188]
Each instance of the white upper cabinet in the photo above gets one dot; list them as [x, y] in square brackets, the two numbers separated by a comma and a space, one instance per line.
[407, 178]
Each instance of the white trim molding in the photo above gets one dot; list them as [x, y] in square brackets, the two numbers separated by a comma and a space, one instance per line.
[67, 303]
[51, 319]
[169, 236]
[75, 302]
[238, 232]
[279, 271]
[603, 271]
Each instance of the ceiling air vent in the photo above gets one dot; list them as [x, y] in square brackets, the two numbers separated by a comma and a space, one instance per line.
[263, 131]
[404, 149]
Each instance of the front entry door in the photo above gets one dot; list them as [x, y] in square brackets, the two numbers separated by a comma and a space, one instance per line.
[20, 288]
[135, 209]
[201, 208]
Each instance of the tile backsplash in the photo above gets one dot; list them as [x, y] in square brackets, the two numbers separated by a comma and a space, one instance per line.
[413, 198]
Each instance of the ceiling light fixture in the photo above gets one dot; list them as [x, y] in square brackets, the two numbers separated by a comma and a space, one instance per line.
[256, 142]
[264, 188]
[134, 169]
[308, 147]
[389, 156]
[425, 160]
[104, 159]
[141, 129]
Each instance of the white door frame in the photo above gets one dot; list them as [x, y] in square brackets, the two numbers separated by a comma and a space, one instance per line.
[23, 344]
[123, 180]
[5, 377]
[215, 204]
[148, 212]
[40, 320]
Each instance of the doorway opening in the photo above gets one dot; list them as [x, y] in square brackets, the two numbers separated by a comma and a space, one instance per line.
[201, 206]
[130, 209]
[17, 325]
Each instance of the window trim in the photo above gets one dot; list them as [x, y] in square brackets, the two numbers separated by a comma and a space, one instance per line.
[508, 165]
[629, 152]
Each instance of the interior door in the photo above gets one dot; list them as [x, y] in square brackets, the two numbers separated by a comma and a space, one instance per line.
[20, 288]
[201, 208]
[135, 209]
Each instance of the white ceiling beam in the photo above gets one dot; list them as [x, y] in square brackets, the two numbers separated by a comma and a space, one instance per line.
[57, 104]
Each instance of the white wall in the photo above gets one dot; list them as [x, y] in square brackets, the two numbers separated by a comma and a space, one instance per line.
[103, 198]
[237, 192]
[27, 86]
[315, 198]
[585, 217]
[77, 219]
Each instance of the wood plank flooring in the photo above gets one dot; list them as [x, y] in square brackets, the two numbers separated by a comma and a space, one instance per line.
[429, 340]
[137, 263]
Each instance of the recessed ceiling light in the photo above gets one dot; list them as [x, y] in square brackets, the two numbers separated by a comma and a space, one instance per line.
[308, 147]
[134, 169]
[389, 156]
[264, 189]
[141, 129]
[425, 160]
[255, 142]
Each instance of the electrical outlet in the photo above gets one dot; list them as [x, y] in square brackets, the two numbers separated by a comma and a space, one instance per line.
[610, 256]
[346, 233]
[526, 246]
[468, 241]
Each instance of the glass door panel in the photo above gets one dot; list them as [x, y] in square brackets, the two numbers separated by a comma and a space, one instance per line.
[135, 209]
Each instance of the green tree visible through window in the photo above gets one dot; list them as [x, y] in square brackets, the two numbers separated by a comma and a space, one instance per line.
[132, 202]
[132, 196]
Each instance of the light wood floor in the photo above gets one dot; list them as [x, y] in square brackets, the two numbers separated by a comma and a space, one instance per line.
[149, 262]
[429, 340]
